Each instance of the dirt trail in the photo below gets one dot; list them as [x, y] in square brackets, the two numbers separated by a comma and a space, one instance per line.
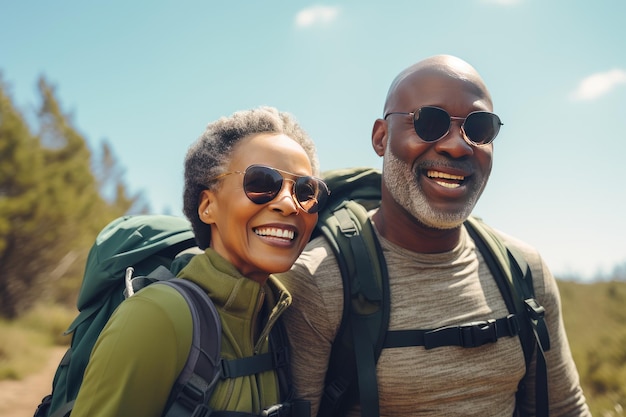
[20, 398]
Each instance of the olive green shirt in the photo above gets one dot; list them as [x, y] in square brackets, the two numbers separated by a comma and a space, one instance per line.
[145, 344]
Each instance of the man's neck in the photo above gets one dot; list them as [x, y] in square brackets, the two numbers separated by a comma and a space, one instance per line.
[407, 232]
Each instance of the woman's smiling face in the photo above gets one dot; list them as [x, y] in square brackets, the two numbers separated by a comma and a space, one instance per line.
[259, 239]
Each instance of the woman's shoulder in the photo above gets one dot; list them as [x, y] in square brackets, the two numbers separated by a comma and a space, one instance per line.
[156, 308]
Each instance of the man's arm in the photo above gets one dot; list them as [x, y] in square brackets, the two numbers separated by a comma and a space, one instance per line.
[313, 318]
[565, 394]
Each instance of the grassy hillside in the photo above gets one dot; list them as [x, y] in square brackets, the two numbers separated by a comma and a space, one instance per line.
[595, 319]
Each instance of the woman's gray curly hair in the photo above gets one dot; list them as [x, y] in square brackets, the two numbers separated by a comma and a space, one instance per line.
[210, 154]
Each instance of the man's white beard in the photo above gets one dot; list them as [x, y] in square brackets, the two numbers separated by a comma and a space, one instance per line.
[402, 183]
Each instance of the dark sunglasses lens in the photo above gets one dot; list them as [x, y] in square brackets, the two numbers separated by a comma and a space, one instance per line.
[262, 184]
[311, 193]
[431, 123]
[481, 127]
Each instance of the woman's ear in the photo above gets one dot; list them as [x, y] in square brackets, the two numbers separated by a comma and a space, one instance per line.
[379, 136]
[205, 206]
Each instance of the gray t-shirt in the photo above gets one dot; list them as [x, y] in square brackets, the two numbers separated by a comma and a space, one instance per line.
[430, 291]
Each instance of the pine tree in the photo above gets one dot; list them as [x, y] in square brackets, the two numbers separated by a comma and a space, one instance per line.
[51, 205]
[21, 176]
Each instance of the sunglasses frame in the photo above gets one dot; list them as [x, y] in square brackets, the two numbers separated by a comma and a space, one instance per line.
[321, 197]
[415, 116]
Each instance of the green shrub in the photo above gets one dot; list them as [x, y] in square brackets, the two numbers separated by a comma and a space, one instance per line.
[22, 350]
[51, 320]
[595, 320]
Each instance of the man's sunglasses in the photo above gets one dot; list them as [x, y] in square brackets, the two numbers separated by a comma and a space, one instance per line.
[432, 123]
[262, 184]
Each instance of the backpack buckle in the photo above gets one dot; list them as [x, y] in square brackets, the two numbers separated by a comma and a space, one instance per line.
[335, 390]
[192, 394]
[512, 324]
[280, 357]
[478, 333]
[277, 410]
[535, 309]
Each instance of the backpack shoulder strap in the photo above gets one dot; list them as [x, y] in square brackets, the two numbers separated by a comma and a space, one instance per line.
[279, 347]
[514, 279]
[192, 390]
[194, 385]
[366, 310]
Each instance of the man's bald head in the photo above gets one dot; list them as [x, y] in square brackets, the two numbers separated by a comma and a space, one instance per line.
[436, 66]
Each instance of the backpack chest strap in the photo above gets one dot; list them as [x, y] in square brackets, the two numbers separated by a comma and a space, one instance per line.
[269, 361]
[467, 335]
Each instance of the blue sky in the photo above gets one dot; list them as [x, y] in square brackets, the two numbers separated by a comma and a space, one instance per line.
[149, 75]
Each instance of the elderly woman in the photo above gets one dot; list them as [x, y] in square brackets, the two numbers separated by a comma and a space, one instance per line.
[252, 198]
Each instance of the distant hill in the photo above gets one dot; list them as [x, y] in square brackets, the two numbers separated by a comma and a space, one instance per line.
[595, 320]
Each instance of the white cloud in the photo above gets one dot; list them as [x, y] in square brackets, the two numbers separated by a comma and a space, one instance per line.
[316, 15]
[599, 84]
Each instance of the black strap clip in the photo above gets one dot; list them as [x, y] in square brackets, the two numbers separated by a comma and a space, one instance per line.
[191, 394]
[478, 333]
[468, 335]
[336, 389]
[280, 357]
[535, 309]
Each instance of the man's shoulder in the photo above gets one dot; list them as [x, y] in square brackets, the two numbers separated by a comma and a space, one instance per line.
[315, 267]
[529, 253]
[317, 253]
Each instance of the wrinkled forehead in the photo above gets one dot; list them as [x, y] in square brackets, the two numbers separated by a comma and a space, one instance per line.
[438, 86]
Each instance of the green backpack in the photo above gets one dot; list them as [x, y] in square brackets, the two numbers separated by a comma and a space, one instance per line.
[151, 245]
[351, 374]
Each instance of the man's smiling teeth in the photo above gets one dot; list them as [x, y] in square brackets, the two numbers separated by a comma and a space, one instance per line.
[442, 175]
[273, 231]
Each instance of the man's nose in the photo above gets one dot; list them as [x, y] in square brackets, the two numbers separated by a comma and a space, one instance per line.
[454, 143]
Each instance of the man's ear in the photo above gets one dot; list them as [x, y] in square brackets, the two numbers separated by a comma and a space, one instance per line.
[379, 137]
[206, 206]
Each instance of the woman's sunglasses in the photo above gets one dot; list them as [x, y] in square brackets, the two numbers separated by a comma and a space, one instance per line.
[262, 184]
[432, 123]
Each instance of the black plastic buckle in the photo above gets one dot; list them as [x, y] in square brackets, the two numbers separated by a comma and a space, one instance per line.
[335, 390]
[190, 395]
[224, 369]
[535, 309]
[281, 357]
[478, 333]
[513, 325]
